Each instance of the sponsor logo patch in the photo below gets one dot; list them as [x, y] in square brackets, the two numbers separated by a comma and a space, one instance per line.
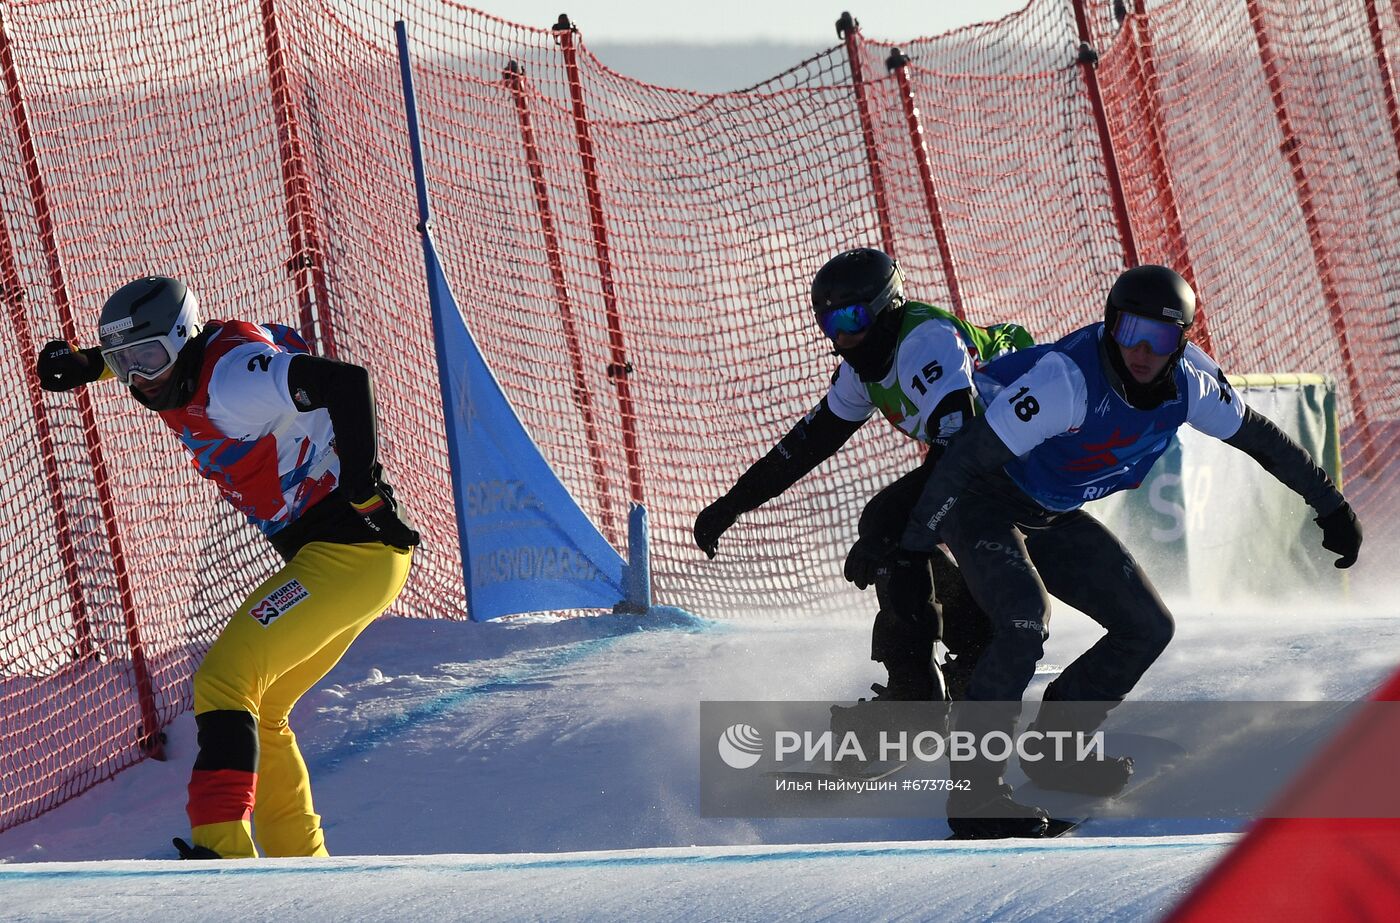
[942, 511]
[279, 601]
[950, 424]
[116, 326]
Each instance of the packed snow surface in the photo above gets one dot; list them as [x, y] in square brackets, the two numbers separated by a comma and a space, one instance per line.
[549, 769]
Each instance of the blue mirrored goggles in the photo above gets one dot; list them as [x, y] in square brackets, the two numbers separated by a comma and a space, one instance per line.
[853, 318]
[1162, 337]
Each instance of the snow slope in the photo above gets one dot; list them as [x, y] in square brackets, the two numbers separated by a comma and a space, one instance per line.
[1135, 879]
[549, 770]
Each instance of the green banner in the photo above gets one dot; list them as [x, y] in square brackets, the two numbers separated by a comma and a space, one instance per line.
[1209, 522]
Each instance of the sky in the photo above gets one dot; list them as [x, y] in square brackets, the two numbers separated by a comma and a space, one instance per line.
[738, 21]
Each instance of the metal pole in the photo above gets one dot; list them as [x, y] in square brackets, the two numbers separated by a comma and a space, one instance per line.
[1157, 150]
[897, 62]
[1088, 62]
[848, 28]
[415, 135]
[449, 412]
[583, 398]
[1292, 149]
[619, 369]
[150, 738]
[307, 261]
[1392, 109]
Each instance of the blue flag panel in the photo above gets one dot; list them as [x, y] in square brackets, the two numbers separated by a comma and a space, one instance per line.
[526, 545]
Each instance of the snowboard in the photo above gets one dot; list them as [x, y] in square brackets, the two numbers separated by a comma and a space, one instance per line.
[1152, 758]
[1056, 827]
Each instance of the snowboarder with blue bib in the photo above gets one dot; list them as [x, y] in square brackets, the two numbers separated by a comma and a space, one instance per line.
[1068, 422]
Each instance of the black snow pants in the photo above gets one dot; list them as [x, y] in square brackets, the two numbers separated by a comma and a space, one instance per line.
[1015, 555]
[909, 621]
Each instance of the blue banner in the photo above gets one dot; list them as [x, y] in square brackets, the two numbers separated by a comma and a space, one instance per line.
[526, 545]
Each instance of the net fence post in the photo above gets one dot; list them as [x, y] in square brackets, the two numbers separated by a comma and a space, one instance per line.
[1392, 108]
[1292, 150]
[848, 29]
[13, 294]
[514, 77]
[149, 738]
[897, 63]
[1088, 60]
[306, 264]
[1157, 150]
[619, 368]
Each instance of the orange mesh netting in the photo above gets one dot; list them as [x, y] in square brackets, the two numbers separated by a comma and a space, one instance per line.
[634, 262]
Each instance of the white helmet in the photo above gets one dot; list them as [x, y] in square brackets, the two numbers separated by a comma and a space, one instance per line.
[142, 330]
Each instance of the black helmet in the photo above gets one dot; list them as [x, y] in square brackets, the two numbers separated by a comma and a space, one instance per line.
[143, 330]
[1151, 291]
[1167, 306]
[861, 291]
[865, 277]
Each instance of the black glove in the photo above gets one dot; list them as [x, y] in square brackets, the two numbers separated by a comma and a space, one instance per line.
[866, 557]
[712, 523]
[1341, 534]
[381, 512]
[62, 367]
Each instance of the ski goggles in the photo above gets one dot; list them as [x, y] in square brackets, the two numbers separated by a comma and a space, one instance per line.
[147, 358]
[856, 318]
[853, 318]
[1162, 337]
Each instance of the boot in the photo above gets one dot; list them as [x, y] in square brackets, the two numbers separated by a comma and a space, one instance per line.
[865, 719]
[957, 675]
[903, 688]
[1100, 778]
[897, 707]
[912, 679]
[194, 852]
[995, 818]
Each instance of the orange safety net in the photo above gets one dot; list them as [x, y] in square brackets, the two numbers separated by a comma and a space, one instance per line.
[633, 262]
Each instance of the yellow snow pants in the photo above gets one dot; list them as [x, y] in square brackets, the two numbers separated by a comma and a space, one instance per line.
[249, 779]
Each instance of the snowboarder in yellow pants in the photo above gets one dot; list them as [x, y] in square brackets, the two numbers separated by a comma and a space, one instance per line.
[290, 440]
